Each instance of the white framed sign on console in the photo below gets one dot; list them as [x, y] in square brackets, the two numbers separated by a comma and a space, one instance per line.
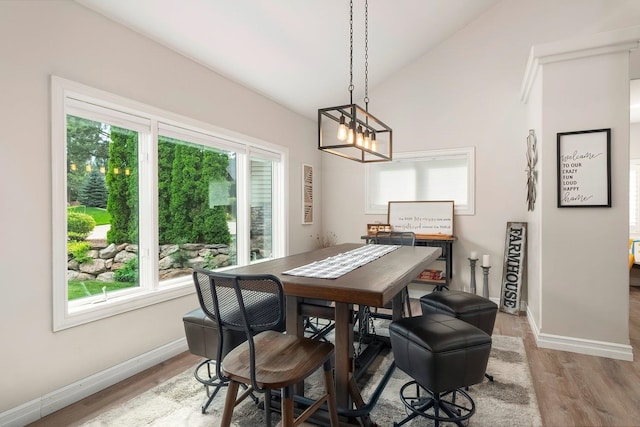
[424, 218]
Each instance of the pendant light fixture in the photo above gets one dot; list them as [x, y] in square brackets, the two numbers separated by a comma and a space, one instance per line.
[349, 130]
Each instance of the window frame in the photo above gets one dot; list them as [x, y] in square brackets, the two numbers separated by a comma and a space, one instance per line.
[278, 223]
[634, 165]
[467, 153]
[68, 96]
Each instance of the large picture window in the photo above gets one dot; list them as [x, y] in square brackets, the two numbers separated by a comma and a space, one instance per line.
[142, 196]
[421, 176]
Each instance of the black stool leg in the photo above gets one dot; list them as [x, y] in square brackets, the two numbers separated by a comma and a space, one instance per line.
[211, 397]
[407, 419]
[436, 409]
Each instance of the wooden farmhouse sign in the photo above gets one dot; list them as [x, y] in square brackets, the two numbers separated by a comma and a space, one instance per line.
[514, 269]
[427, 218]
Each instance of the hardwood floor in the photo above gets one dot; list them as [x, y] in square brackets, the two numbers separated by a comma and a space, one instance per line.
[578, 390]
[117, 394]
[572, 389]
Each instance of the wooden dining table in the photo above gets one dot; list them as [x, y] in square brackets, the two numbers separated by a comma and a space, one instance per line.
[373, 284]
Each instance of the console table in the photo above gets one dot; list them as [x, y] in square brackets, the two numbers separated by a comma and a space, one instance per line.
[445, 243]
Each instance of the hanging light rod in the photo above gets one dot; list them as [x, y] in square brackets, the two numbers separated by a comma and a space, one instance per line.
[350, 131]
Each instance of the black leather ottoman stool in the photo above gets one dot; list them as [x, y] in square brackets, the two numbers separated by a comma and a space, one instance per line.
[443, 355]
[202, 339]
[473, 309]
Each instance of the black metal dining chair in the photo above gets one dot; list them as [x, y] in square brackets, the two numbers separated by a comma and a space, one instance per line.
[267, 360]
[205, 339]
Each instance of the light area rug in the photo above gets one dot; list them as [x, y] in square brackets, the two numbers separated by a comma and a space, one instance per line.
[508, 401]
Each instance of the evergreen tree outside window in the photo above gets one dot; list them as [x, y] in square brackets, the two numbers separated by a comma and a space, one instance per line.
[94, 190]
[122, 183]
[195, 204]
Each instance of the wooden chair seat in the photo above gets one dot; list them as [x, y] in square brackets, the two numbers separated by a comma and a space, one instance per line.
[281, 360]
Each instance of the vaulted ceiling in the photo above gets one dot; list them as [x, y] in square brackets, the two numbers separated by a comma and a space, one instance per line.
[296, 52]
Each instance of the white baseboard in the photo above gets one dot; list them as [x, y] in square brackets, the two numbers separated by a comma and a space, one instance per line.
[35, 409]
[577, 345]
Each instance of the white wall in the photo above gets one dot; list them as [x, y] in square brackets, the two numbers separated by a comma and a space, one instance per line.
[585, 279]
[40, 38]
[634, 140]
[466, 92]
[531, 292]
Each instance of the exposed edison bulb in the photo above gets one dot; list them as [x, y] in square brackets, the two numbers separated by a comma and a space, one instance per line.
[351, 133]
[374, 143]
[359, 136]
[116, 171]
[88, 168]
[102, 170]
[367, 139]
[342, 130]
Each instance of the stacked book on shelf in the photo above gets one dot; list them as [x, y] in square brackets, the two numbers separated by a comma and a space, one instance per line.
[431, 275]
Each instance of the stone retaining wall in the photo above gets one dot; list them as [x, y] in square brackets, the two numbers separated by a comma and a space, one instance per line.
[174, 260]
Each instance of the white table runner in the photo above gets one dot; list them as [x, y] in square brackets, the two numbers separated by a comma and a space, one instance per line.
[341, 264]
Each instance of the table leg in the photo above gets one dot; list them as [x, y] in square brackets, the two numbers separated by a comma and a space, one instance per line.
[397, 310]
[295, 326]
[343, 353]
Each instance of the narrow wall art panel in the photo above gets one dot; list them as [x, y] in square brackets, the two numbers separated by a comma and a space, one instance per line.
[307, 194]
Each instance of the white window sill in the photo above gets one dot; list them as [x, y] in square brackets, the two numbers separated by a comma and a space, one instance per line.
[101, 309]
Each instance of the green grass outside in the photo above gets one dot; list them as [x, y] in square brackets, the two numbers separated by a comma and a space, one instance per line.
[87, 288]
[100, 216]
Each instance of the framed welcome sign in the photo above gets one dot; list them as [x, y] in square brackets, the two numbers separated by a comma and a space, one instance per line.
[584, 169]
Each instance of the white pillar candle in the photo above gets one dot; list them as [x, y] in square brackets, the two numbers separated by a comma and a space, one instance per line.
[486, 261]
[474, 255]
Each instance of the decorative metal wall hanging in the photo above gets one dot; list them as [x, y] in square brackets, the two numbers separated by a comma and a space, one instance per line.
[532, 173]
